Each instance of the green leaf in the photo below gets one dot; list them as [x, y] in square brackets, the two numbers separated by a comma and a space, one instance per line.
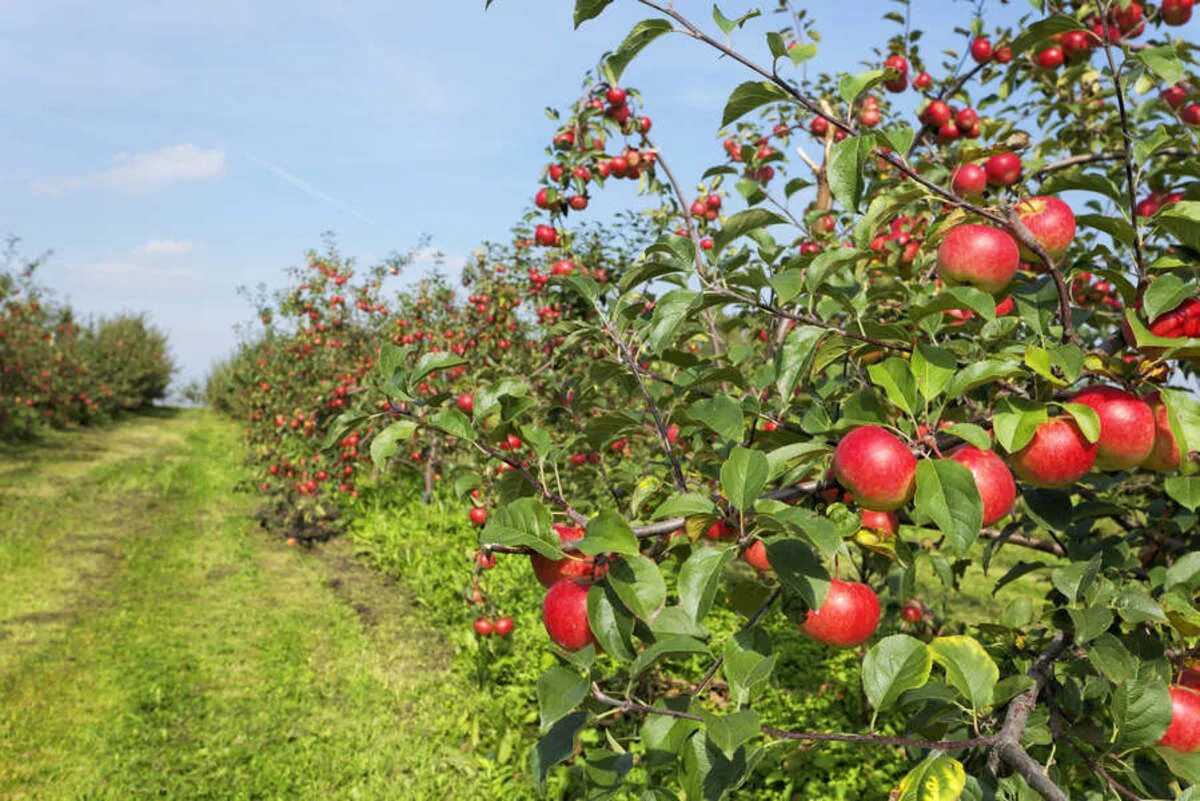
[1141, 709]
[1112, 659]
[454, 423]
[896, 380]
[730, 732]
[823, 264]
[851, 86]
[1163, 62]
[608, 532]
[977, 374]
[1075, 579]
[742, 223]
[1185, 491]
[971, 433]
[1115, 227]
[720, 413]
[947, 495]
[1164, 295]
[893, 666]
[1043, 30]
[556, 745]
[669, 312]
[938, 778]
[900, 137]
[1183, 570]
[676, 644]
[699, 578]
[799, 53]
[685, 506]
[588, 9]
[748, 664]
[1090, 622]
[1016, 421]
[743, 476]
[795, 357]
[559, 690]
[1182, 220]
[524, 522]
[638, 583]
[782, 458]
[727, 25]
[749, 96]
[431, 363]
[845, 169]
[799, 570]
[610, 622]
[1086, 418]
[386, 442]
[639, 37]
[932, 368]
[969, 668]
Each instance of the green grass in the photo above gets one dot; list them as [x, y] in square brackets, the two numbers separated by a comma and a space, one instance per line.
[154, 644]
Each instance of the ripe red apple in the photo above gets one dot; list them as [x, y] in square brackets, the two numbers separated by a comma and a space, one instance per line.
[1076, 45]
[1050, 58]
[993, 479]
[756, 556]
[900, 64]
[1148, 207]
[1130, 19]
[1126, 426]
[615, 96]
[1003, 55]
[912, 611]
[880, 522]
[721, 530]
[979, 255]
[819, 127]
[923, 81]
[465, 403]
[969, 179]
[1177, 12]
[1003, 169]
[936, 114]
[1165, 455]
[564, 614]
[981, 50]
[876, 468]
[503, 627]
[1182, 321]
[1057, 456]
[1174, 95]
[483, 627]
[848, 617]
[1183, 734]
[1051, 222]
[478, 515]
[1191, 114]
[573, 566]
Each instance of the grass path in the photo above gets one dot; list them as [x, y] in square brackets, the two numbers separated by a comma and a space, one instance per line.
[153, 644]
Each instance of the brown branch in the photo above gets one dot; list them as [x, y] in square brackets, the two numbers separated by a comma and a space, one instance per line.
[1130, 178]
[1045, 546]
[1007, 745]
[628, 706]
[1091, 158]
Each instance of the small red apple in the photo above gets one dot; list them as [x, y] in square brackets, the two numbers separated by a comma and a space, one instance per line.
[503, 627]
[936, 114]
[969, 179]
[979, 255]
[1003, 169]
[1177, 12]
[756, 556]
[1126, 426]
[483, 627]
[1183, 733]
[1165, 456]
[1003, 55]
[465, 402]
[1057, 456]
[564, 614]
[1174, 95]
[1051, 222]
[573, 566]
[876, 468]
[1191, 114]
[923, 81]
[993, 479]
[615, 96]
[478, 515]
[848, 617]
[1050, 58]
[981, 51]
[881, 522]
[912, 612]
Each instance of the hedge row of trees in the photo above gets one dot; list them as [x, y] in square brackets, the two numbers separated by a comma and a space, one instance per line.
[57, 370]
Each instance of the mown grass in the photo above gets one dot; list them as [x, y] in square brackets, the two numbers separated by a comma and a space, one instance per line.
[154, 645]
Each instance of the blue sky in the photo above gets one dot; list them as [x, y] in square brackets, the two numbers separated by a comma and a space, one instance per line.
[169, 152]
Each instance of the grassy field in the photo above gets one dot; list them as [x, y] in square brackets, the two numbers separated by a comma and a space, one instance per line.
[154, 644]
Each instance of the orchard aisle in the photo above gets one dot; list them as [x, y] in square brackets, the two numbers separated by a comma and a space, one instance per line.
[155, 644]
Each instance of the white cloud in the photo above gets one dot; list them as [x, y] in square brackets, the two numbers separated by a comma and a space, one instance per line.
[141, 172]
[165, 247]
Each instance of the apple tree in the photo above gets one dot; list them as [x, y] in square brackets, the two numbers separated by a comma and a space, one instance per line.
[913, 318]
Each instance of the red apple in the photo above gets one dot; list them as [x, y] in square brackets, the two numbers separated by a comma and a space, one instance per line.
[981, 51]
[993, 479]
[876, 468]
[1165, 456]
[1003, 55]
[1003, 169]
[1050, 58]
[1183, 734]
[478, 515]
[848, 617]
[465, 402]
[483, 627]
[912, 612]
[1177, 12]
[969, 179]
[756, 556]
[721, 530]
[936, 114]
[1174, 95]
[979, 255]
[615, 96]
[503, 627]
[564, 614]
[1182, 321]
[923, 81]
[881, 522]
[1191, 114]
[573, 566]
[1051, 222]
[1057, 456]
[1126, 426]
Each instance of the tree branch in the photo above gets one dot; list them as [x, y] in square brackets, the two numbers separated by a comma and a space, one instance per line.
[1026, 238]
